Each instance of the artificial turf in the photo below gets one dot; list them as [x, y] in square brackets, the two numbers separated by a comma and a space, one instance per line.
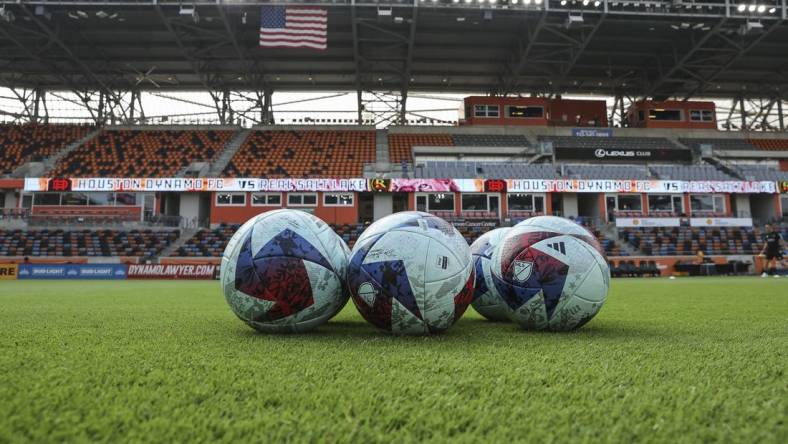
[686, 360]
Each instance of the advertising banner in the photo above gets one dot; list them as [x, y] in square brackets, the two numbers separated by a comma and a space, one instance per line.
[624, 154]
[401, 185]
[721, 222]
[71, 271]
[592, 132]
[7, 272]
[194, 184]
[172, 271]
[635, 222]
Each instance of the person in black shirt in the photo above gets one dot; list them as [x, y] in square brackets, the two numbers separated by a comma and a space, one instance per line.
[772, 250]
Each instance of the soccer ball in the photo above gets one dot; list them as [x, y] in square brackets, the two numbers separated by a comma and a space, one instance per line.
[411, 273]
[486, 299]
[551, 273]
[283, 271]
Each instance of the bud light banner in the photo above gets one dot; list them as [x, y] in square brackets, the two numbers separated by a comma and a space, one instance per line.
[72, 271]
[623, 154]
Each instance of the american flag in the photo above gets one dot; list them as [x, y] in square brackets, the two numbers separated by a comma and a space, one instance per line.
[293, 27]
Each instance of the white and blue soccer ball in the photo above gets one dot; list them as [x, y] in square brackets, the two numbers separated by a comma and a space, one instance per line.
[551, 274]
[411, 273]
[486, 299]
[283, 271]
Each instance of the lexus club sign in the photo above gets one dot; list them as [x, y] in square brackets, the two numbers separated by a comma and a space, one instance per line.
[623, 154]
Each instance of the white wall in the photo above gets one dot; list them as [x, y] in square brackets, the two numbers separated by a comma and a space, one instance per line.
[383, 205]
[190, 206]
[570, 204]
[10, 199]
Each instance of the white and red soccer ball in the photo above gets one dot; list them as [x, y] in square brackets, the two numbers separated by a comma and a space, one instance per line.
[486, 300]
[411, 273]
[283, 271]
[550, 274]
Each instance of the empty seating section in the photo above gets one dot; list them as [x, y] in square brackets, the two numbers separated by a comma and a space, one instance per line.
[487, 170]
[400, 144]
[610, 142]
[620, 172]
[208, 243]
[20, 144]
[719, 144]
[140, 153]
[103, 243]
[760, 172]
[685, 172]
[770, 144]
[303, 154]
[688, 241]
[490, 140]
[211, 242]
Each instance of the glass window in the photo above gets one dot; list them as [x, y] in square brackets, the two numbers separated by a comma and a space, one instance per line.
[525, 112]
[702, 115]
[421, 203]
[670, 115]
[719, 204]
[127, 199]
[630, 202]
[539, 204]
[74, 199]
[267, 199]
[440, 202]
[521, 202]
[338, 199]
[485, 111]
[46, 199]
[660, 202]
[101, 199]
[474, 202]
[231, 199]
[302, 200]
[701, 202]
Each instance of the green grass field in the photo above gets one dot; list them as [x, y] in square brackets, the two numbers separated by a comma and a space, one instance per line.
[688, 360]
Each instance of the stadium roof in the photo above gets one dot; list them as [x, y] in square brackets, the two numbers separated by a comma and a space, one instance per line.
[638, 49]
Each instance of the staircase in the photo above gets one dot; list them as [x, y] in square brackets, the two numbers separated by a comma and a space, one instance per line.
[382, 146]
[186, 234]
[232, 147]
[51, 161]
[609, 231]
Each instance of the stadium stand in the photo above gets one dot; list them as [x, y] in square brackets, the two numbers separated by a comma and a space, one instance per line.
[761, 172]
[105, 243]
[770, 144]
[211, 242]
[610, 142]
[685, 172]
[719, 144]
[142, 153]
[688, 241]
[621, 172]
[400, 145]
[33, 142]
[490, 140]
[489, 170]
[303, 154]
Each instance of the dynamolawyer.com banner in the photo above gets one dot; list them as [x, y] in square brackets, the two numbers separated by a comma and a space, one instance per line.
[401, 185]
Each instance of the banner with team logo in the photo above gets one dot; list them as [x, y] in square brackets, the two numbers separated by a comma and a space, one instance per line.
[721, 222]
[7, 272]
[636, 222]
[398, 185]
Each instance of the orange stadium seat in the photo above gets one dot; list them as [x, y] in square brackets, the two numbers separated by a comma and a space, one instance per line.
[400, 144]
[142, 153]
[770, 144]
[303, 154]
[33, 142]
